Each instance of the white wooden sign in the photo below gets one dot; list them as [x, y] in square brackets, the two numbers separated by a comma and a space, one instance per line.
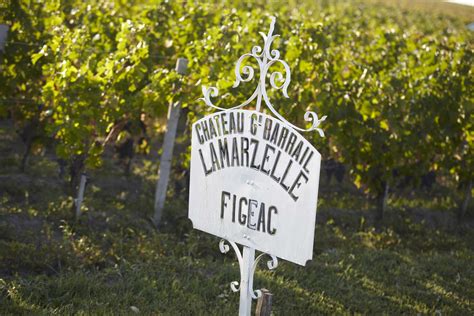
[254, 181]
[254, 178]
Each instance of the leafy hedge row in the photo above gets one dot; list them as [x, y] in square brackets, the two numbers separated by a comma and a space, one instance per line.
[396, 86]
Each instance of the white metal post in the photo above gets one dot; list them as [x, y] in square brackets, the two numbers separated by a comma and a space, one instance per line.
[203, 191]
[246, 273]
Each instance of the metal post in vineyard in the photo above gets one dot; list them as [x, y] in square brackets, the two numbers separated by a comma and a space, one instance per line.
[254, 178]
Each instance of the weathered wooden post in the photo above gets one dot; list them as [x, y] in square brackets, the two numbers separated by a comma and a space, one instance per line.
[168, 145]
[3, 35]
[254, 178]
[264, 304]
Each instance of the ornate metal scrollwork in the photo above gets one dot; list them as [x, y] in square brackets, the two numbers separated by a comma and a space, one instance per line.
[224, 248]
[271, 264]
[235, 285]
[265, 58]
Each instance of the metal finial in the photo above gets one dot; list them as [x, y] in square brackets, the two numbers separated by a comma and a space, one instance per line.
[265, 58]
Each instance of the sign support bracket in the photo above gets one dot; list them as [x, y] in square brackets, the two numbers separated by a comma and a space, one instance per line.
[247, 264]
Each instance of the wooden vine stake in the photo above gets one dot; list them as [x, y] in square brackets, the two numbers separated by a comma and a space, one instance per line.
[80, 195]
[264, 304]
[254, 177]
[3, 35]
[168, 145]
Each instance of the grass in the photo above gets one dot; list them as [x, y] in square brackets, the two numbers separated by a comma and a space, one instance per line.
[71, 268]
[113, 262]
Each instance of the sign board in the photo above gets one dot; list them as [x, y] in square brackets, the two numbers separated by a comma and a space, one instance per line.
[254, 181]
[254, 178]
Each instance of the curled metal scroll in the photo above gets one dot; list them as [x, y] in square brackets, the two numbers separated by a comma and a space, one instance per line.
[271, 264]
[224, 248]
[234, 285]
[265, 58]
